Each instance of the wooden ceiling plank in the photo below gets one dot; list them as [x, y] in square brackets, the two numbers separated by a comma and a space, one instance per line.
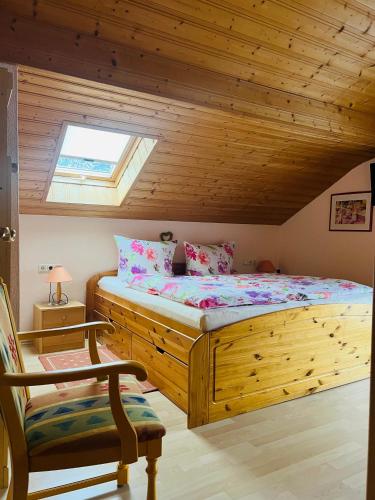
[297, 191]
[118, 94]
[229, 150]
[56, 100]
[279, 28]
[31, 185]
[80, 20]
[113, 73]
[33, 175]
[268, 129]
[227, 131]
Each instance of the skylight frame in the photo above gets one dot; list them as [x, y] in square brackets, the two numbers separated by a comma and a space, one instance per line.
[66, 190]
[83, 177]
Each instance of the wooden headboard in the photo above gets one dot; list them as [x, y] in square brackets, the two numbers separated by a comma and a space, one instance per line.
[179, 268]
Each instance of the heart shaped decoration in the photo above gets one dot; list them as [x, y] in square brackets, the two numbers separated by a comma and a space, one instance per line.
[167, 236]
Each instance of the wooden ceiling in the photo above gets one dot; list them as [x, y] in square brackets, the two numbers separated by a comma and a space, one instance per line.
[258, 106]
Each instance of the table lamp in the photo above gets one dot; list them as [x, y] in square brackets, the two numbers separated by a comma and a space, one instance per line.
[265, 266]
[58, 275]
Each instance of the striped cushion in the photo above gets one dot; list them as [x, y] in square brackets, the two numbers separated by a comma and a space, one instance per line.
[81, 417]
[9, 358]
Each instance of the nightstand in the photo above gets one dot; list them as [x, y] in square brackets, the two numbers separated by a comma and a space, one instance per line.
[46, 316]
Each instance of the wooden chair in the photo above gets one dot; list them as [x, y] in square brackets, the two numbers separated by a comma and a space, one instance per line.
[105, 421]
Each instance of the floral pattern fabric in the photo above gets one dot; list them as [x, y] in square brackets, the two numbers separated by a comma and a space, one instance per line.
[207, 292]
[144, 257]
[202, 260]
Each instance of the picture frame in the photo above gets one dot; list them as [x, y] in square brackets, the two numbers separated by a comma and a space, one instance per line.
[351, 212]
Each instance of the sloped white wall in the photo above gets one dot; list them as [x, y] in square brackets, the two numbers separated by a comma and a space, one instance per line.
[308, 247]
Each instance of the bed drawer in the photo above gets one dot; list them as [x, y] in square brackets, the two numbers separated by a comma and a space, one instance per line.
[173, 342]
[120, 342]
[97, 316]
[122, 316]
[166, 372]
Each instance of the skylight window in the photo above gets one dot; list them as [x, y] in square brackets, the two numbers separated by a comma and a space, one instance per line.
[97, 167]
[91, 152]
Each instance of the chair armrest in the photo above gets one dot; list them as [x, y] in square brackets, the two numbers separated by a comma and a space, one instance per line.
[51, 332]
[73, 374]
[91, 328]
[126, 429]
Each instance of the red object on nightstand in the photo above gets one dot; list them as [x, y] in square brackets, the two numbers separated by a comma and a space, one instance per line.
[266, 266]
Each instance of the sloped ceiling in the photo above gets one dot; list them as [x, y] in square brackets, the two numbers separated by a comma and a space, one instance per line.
[258, 106]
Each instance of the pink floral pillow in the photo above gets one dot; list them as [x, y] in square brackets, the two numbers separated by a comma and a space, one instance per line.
[202, 260]
[144, 257]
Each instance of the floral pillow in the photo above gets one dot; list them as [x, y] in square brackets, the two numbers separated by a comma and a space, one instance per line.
[144, 257]
[202, 260]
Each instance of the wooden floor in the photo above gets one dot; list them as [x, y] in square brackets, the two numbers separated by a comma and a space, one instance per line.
[310, 448]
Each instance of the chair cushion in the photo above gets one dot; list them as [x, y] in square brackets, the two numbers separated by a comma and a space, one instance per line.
[81, 417]
[9, 355]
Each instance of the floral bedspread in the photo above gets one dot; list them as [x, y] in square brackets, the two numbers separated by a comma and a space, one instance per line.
[207, 292]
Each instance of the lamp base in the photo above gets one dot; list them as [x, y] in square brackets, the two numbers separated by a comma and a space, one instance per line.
[64, 299]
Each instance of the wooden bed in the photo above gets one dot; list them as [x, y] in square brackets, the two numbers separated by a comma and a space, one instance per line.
[248, 365]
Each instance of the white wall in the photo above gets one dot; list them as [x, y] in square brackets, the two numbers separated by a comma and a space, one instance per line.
[303, 245]
[308, 247]
[85, 246]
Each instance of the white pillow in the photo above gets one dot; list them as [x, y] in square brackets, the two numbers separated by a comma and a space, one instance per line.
[202, 260]
[144, 257]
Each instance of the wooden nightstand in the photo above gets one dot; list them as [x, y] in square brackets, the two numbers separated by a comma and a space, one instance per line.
[46, 316]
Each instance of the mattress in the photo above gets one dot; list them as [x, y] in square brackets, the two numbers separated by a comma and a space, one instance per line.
[211, 319]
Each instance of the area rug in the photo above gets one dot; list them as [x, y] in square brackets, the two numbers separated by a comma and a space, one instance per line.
[77, 359]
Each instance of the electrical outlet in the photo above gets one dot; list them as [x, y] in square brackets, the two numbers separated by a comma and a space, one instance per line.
[250, 262]
[45, 268]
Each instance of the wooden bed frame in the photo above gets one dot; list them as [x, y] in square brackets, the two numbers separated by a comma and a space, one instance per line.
[247, 365]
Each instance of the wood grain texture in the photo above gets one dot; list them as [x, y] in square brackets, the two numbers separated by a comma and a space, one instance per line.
[287, 355]
[46, 316]
[275, 452]
[199, 382]
[258, 106]
[247, 365]
[11, 422]
[9, 181]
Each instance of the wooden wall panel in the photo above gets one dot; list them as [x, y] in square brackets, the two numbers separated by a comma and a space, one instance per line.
[257, 106]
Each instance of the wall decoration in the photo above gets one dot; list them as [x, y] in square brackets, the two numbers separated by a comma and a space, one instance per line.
[351, 211]
[167, 236]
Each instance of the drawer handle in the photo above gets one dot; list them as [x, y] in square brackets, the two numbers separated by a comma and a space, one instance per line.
[161, 351]
[64, 317]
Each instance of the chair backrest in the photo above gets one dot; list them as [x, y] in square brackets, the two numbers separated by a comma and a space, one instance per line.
[10, 357]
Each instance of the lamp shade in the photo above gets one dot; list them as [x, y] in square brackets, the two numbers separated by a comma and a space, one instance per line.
[58, 275]
[266, 266]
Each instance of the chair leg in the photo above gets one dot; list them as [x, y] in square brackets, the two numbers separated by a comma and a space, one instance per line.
[4, 447]
[19, 485]
[151, 470]
[122, 474]
[10, 491]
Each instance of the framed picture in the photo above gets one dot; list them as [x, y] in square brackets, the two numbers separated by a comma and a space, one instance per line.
[351, 211]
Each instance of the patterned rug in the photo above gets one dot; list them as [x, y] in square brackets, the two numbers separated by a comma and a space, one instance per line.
[77, 359]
